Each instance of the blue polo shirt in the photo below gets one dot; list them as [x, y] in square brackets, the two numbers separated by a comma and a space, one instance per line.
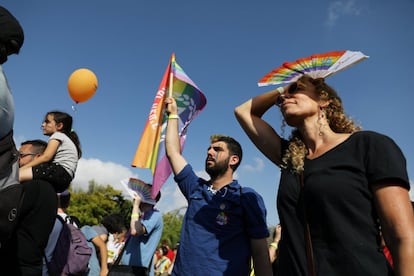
[216, 230]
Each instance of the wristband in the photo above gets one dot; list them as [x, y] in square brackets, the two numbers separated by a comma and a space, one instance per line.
[274, 245]
[280, 89]
[173, 116]
[134, 215]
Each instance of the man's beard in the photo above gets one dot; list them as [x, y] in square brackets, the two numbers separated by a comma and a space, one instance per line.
[218, 169]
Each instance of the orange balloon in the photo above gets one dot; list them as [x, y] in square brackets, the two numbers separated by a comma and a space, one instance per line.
[82, 85]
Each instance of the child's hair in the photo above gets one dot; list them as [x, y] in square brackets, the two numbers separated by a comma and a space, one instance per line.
[66, 120]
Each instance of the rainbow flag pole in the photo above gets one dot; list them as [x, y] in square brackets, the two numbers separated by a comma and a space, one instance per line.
[190, 102]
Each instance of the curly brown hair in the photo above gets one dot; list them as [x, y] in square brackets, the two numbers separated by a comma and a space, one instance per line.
[338, 121]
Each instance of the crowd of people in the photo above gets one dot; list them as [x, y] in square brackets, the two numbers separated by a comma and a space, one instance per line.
[342, 199]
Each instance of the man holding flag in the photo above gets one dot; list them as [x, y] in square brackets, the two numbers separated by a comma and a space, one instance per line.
[225, 225]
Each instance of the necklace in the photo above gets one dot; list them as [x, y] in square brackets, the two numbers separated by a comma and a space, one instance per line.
[212, 190]
[222, 191]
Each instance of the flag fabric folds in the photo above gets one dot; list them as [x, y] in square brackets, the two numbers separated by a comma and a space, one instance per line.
[151, 148]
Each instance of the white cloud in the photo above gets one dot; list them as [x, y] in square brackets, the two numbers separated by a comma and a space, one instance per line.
[202, 174]
[256, 167]
[341, 8]
[103, 173]
[172, 200]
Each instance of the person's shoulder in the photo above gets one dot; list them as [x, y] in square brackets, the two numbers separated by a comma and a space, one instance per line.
[156, 213]
[249, 193]
[58, 136]
[247, 189]
[153, 211]
[370, 135]
[89, 232]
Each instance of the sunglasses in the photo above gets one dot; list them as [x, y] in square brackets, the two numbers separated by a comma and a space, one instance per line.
[24, 154]
[293, 88]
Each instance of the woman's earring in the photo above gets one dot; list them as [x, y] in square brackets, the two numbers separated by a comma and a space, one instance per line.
[321, 121]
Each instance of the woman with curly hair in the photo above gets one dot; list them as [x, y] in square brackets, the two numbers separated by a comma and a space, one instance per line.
[336, 183]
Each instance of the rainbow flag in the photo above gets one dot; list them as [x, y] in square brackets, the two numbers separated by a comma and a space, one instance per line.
[190, 102]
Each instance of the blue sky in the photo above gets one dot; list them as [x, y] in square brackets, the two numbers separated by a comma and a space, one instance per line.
[225, 47]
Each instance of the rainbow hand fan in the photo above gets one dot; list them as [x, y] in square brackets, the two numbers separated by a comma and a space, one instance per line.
[316, 66]
[134, 185]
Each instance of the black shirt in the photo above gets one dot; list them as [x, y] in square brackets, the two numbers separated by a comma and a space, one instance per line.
[339, 207]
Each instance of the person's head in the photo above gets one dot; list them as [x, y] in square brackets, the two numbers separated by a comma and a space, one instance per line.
[63, 199]
[165, 243]
[30, 150]
[62, 122]
[303, 99]
[308, 96]
[146, 205]
[114, 224]
[164, 250]
[223, 153]
[11, 35]
[57, 121]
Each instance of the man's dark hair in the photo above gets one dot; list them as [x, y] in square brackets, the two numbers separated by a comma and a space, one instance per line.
[233, 146]
[114, 223]
[39, 146]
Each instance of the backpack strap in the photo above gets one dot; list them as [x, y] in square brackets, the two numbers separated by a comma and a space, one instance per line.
[121, 252]
[47, 262]
[63, 221]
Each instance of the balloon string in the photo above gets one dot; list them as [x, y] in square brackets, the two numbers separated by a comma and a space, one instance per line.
[74, 108]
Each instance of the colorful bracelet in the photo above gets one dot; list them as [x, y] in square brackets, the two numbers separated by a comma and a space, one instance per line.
[173, 116]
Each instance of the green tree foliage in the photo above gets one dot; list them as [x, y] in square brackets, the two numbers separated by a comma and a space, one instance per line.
[91, 206]
[172, 226]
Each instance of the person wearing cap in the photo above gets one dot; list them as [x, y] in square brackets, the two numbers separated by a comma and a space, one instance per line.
[36, 209]
[145, 233]
[11, 40]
